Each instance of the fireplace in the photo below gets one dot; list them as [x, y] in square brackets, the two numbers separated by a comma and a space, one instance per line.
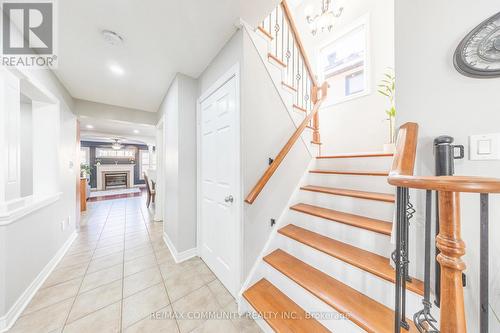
[113, 180]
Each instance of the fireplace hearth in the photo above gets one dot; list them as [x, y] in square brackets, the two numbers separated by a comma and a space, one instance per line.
[114, 180]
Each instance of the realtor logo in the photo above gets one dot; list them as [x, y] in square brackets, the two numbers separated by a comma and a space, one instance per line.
[28, 33]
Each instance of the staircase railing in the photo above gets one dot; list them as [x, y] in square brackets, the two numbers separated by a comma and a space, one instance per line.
[288, 51]
[448, 241]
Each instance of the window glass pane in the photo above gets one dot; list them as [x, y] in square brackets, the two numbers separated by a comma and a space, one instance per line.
[343, 64]
[84, 155]
[354, 83]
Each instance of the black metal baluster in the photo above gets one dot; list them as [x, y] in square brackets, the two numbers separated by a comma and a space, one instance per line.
[303, 88]
[293, 65]
[276, 31]
[404, 256]
[396, 257]
[270, 23]
[484, 264]
[424, 321]
[282, 36]
[288, 55]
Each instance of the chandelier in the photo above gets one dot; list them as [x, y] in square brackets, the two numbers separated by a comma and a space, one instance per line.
[323, 21]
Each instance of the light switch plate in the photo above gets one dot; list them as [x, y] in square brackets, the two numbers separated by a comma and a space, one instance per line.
[484, 147]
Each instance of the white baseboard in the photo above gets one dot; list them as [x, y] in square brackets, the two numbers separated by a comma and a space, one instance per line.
[179, 256]
[7, 321]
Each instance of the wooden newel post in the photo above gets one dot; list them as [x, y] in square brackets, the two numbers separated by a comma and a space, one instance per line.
[452, 247]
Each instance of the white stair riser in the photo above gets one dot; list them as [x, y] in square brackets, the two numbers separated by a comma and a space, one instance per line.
[369, 284]
[353, 182]
[309, 302]
[370, 208]
[355, 164]
[364, 239]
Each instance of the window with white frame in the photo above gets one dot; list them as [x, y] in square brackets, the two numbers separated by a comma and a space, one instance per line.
[85, 155]
[147, 161]
[115, 153]
[343, 63]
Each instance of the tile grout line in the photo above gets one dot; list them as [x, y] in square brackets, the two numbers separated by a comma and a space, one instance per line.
[123, 269]
[81, 283]
[159, 269]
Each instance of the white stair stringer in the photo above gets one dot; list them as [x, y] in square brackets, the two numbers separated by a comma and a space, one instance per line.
[278, 75]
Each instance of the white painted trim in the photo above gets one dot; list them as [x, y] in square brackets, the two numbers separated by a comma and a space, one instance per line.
[279, 223]
[7, 321]
[234, 71]
[179, 256]
[30, 207]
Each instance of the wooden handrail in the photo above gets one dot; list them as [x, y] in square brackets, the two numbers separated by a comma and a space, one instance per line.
[448, 183]
[296, 34]
[406, 150]
[286, 148]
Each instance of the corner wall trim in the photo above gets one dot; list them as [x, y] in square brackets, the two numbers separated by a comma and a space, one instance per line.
[8, 320]
[179, 256]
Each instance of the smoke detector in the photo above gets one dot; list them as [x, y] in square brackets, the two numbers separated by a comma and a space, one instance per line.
[112, 37]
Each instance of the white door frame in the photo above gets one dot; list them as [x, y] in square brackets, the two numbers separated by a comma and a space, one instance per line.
[233, 72]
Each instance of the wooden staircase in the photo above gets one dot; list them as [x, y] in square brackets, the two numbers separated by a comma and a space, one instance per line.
[365, 312]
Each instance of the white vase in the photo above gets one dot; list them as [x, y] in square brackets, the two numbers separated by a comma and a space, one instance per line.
[389, 148]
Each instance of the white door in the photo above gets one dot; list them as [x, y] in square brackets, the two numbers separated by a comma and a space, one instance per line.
[219, 183]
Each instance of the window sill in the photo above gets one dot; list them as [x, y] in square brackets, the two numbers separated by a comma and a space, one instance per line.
[29, 206]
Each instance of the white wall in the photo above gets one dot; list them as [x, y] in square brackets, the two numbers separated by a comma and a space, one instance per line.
[31, 241]
[265, 128]
[26, 149]
[342, 124]
[432, 93]
[178, 110]
[112, 112]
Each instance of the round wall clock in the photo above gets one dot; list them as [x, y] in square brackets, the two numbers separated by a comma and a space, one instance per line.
[478, 54]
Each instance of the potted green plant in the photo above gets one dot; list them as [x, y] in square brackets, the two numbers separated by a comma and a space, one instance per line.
[387, 88]
[85, 170]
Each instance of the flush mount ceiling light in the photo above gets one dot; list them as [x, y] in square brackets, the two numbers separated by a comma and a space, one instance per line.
[89, 126]
[323, 21]
[112, 37]
[117, 69]
[136, 131]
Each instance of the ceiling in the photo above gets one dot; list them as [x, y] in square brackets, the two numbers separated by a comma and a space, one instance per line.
[107, 130]
[160, 38]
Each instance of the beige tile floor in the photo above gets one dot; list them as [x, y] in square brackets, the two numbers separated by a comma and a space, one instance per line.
[118, 276]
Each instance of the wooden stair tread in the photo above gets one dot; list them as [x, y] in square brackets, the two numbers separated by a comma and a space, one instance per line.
[386, 197]
[265, 298]
[365, 260]
[276, 59]
[379, 226]
[360, 309]
[357, 155]
[355, 173]
[265, 32]
[299, 108]
[289, 86]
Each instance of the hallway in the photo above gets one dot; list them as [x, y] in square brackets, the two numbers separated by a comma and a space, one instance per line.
[118, 272]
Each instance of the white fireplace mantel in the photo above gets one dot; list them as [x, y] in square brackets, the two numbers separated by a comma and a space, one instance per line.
[101, 169]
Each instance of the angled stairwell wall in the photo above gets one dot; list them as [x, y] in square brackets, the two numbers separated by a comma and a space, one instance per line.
[266, 126]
